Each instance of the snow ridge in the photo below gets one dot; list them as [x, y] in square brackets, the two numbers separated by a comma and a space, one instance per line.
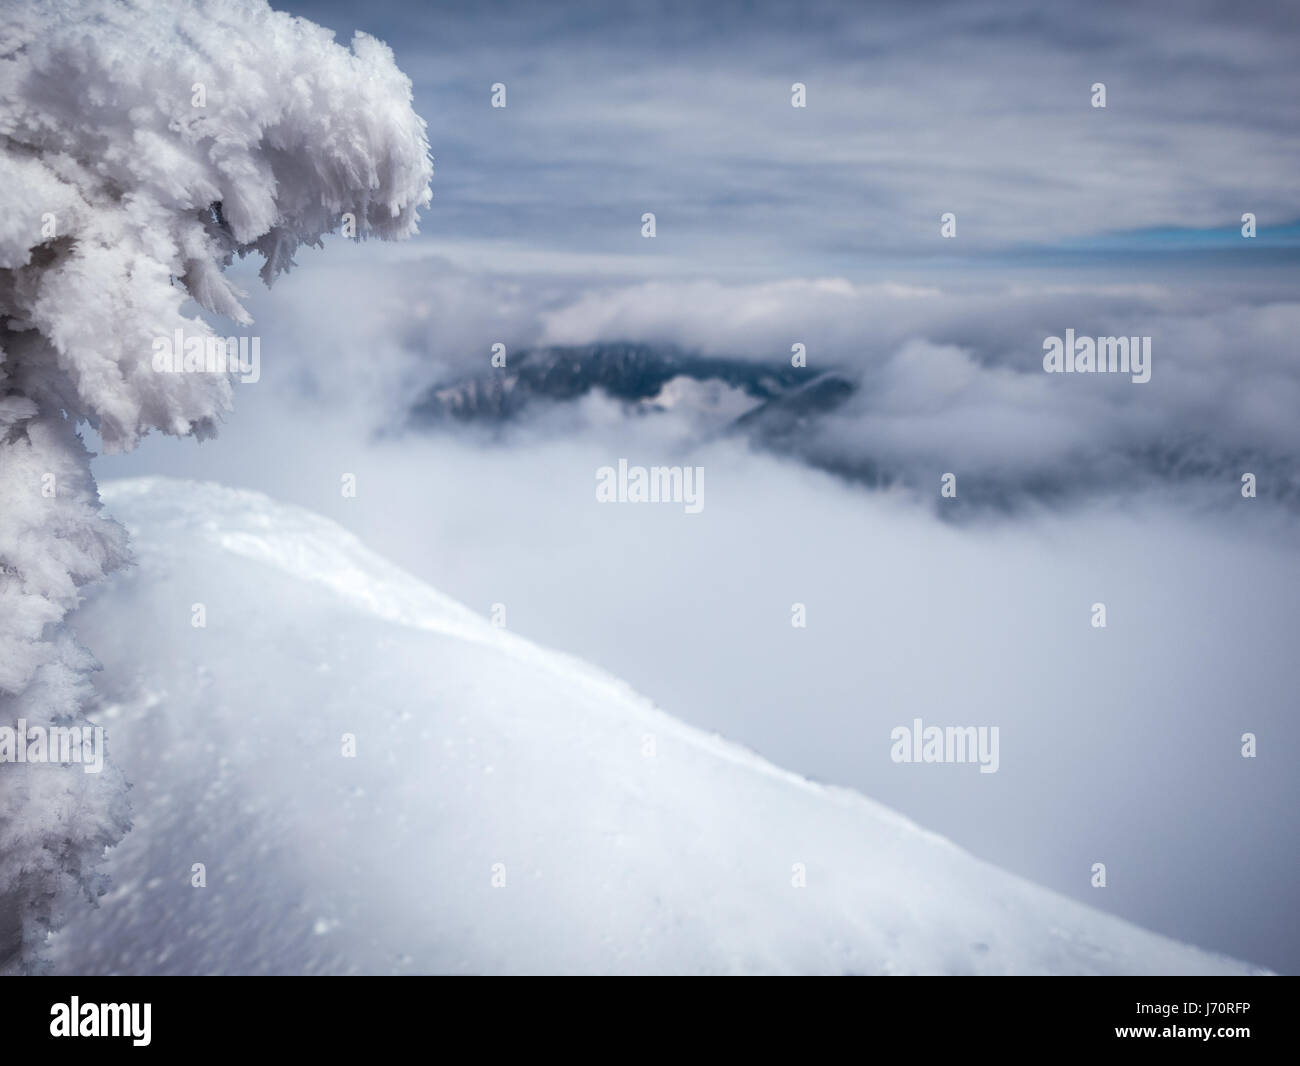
[507, 810]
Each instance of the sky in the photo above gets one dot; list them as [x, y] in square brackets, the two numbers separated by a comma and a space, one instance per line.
[980, 109]
[821, 225]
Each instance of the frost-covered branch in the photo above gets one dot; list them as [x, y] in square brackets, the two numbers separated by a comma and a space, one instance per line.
[142, 147]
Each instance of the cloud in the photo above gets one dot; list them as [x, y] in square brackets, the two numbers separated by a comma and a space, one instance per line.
[981, 109]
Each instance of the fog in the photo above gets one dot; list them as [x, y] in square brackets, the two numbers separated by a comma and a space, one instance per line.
[1119, 745]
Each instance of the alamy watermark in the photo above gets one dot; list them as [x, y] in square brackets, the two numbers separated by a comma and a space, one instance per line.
[130, 1020]
[954, 743]
[1098, 355]
[655, 484]
[197, 354]
[53, 744]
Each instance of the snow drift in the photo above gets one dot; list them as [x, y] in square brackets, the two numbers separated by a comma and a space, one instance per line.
[507, 809]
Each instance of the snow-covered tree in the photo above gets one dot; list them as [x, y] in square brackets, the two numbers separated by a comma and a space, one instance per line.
[142, 147]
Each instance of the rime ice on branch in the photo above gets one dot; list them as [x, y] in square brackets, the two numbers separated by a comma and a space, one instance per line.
[142, 148]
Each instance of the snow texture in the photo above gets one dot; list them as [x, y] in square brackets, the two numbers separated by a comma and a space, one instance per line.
[620, 839]
[142, 148]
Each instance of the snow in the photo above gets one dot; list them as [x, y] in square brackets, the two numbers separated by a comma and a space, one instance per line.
[707, 401]
[628, 842]
[139, 159]
[142, 148]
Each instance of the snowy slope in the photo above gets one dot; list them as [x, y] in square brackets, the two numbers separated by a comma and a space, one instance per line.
[476, 748]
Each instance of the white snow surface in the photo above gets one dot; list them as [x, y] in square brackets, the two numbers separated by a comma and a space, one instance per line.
[629, 842]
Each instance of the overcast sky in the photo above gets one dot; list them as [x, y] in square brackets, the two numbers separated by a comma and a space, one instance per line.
[982, 109]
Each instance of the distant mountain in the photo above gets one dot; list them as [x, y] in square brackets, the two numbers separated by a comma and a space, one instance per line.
[801, 413]
[772, 405]
[633, 373]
